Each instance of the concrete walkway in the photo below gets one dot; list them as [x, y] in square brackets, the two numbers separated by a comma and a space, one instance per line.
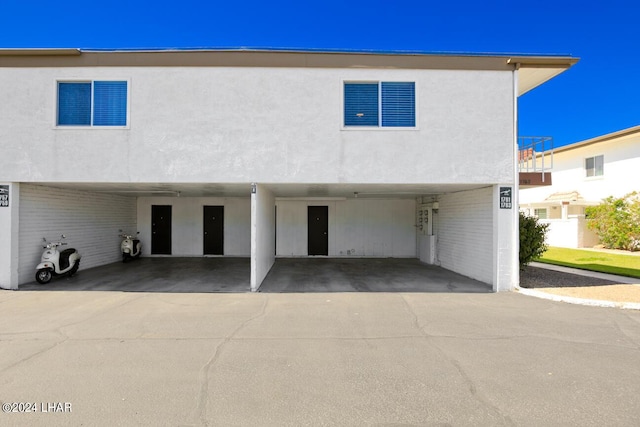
[610, 298]
[291, 359]
[588, 273]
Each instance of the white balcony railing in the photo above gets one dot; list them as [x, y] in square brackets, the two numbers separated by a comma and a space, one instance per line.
[535, 154]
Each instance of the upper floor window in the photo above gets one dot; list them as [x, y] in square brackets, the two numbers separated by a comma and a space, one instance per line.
[92, 103]
[594, 166]
[380, 104]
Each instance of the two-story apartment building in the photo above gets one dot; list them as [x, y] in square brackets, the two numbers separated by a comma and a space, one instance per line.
[584, 173]
[264, 154]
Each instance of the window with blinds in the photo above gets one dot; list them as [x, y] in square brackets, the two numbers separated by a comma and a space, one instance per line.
[93, 103]
[380, 104]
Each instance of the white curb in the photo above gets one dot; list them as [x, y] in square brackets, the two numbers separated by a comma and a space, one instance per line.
[580, 301]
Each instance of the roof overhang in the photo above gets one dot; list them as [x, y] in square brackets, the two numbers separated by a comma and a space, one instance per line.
[617, 135]
[535, 70]
[532, 70]
[39, 52]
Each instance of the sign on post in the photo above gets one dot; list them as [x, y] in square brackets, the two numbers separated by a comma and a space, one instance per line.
[4, 196]
[505, 197]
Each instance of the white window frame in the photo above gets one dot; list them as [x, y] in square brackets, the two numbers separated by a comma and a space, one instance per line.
[536, 213]
[586, 171]
[90, 80]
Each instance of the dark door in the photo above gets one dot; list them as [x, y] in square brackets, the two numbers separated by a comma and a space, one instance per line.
[214, 230]
[161, 229]
[318, 230]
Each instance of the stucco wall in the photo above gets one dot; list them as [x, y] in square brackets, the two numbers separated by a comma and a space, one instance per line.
[376, 228]
[91, 222]
[217, 124]
[187, 225]
[263, 234]
[570, 233]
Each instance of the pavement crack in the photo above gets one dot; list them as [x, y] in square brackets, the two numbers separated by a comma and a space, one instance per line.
[414, 316]
[634, 318]
[201, 409]
[474, 390]
[60, 331]
[97, 313]
[36, 354]
[624, 334]
[466, 378]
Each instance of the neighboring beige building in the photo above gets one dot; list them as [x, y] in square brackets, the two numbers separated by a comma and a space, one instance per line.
[583, 175]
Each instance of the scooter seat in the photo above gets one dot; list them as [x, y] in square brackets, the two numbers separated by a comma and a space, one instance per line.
[64, 258]
[67, 252]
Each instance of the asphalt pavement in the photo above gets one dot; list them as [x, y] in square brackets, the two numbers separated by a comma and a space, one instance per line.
[290, 359]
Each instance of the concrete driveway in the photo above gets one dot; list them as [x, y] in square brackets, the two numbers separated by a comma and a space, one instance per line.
[222, 274]
[291, 359]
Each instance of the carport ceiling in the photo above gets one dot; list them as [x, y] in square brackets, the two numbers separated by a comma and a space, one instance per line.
[349, 191]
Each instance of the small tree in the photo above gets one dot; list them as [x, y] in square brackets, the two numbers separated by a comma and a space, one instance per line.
[532, 239]
[616, 221]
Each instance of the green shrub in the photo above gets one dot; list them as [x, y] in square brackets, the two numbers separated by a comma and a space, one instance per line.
[616, 221]
[532, 239]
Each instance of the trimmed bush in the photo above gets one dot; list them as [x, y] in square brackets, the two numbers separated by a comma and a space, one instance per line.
[532, 239]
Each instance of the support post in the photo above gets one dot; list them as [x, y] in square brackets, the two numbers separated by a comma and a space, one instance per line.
[9, 230]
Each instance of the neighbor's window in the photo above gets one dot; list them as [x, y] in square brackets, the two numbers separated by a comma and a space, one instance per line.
[92, 103]
[380, 104]
[540, 213]
[594, 166]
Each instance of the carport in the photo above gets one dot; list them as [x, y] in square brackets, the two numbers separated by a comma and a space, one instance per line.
[378, 237]
[464, 228]
[219, 275]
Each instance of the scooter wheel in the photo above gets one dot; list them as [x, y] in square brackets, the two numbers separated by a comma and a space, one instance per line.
[43, 276]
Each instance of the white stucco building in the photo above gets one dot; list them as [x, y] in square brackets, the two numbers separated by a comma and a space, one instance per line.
[584, 173]
[264, 154]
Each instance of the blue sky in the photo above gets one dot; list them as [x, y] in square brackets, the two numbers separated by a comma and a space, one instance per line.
[600, 94]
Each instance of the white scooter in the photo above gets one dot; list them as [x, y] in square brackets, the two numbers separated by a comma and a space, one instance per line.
[131, 247]
[56, 263]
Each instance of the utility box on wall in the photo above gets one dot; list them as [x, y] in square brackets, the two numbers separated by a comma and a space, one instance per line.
[426, 238]
[424, 220]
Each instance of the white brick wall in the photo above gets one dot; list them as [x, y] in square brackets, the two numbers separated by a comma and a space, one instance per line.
[89, 220]
[464, 227]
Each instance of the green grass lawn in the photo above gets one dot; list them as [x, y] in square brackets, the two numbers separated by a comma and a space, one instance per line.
[623, 265]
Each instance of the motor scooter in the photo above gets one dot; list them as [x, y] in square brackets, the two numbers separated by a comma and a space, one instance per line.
[56, 263]
[131, 247]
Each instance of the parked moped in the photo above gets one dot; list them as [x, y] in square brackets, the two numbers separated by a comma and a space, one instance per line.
[131, 247]
[56, 263]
